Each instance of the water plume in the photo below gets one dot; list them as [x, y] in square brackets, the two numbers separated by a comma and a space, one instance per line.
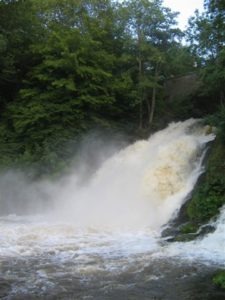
[140, 186]
[101, 223]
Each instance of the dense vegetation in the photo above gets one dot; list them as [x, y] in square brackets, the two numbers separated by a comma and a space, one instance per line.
[207, 36]
[219, 279]
[69, 66]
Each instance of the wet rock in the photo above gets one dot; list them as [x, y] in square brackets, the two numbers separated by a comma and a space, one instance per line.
[206, 229]
[5, 288]
[183, 235]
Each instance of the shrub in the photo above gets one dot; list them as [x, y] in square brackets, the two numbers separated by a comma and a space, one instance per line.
[219, 279]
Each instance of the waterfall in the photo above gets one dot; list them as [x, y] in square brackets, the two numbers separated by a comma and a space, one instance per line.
[141, 186]
[100, 238]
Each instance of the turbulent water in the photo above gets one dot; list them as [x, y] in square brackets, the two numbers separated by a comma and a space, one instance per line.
[100, 239]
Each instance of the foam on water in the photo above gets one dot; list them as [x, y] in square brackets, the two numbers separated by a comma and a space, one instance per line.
[208, 249]
[139, 187]
[97, 234]
[120, 212]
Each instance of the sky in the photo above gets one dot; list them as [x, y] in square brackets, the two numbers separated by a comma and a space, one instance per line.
[186, 9]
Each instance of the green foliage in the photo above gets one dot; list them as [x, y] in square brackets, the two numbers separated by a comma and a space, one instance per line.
[206, 35]
[68, 66]
[152, 27]
[205, 205]
[219, 279]
[19, 26]
[180, 61]
[218, 120]
[188, 228]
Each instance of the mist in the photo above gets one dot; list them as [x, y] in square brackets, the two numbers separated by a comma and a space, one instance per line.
[22, 195]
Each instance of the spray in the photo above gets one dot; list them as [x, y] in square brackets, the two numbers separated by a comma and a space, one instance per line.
[140, 186]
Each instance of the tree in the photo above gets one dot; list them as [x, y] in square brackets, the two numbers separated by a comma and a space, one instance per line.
[151, 27]
[67, 88]
[72, 65]
[17, 31]
[206, 35]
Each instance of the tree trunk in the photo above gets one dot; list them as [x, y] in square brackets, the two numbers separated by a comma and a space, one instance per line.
[140, 76]
[153, 100]
[222, 97]
[140, 96]
[152, 106]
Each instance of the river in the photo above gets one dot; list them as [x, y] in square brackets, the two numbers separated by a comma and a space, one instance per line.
[102, 239]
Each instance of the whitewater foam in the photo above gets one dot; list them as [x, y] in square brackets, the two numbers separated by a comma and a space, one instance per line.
[141, 186]
[112, 224]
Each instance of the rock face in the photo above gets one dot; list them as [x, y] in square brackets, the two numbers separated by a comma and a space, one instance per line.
[205, 201]
[181, 87]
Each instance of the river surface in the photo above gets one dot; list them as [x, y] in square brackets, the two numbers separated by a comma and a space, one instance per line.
[40, 260]
[101, 239]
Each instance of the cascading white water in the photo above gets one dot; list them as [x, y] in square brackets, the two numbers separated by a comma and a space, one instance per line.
[141, 186]
[209, 248]
[101, 227]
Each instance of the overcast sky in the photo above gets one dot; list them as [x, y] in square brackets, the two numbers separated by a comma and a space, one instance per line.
[186, 9]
